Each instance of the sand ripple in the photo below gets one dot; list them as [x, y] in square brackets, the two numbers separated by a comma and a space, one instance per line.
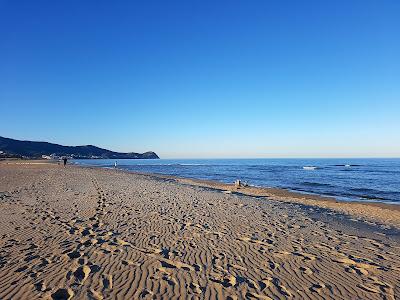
[78, 233]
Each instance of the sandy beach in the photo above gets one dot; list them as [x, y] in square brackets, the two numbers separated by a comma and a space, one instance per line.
[86, 233]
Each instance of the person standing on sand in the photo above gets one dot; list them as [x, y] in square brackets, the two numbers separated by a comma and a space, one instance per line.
[115, 165]
[65, 161]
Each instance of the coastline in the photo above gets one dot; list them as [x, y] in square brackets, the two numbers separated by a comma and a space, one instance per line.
[85, 232]
[375, 213]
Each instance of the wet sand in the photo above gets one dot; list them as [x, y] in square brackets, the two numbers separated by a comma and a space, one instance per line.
[85, 233]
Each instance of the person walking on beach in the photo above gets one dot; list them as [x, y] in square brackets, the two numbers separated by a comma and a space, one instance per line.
[115, 165]
[65, 161]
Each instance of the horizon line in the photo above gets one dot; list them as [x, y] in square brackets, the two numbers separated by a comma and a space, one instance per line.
[292, 157]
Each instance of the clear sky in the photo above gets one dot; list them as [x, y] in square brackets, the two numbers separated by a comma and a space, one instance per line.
[204, 78]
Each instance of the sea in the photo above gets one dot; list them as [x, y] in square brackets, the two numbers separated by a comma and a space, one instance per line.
[369, 180]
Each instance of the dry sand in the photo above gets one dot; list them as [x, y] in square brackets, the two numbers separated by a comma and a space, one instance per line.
[85, 233]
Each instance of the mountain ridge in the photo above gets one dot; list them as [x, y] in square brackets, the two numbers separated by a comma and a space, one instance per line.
[36, 149]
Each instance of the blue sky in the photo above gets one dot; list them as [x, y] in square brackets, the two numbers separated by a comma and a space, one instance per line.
[204, 78]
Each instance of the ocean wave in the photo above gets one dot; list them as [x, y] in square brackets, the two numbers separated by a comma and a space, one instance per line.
[373, 194]
[347, 165]
[365, 190]
[309, 168]
[194, 165]
[316, 184]
[372, 197]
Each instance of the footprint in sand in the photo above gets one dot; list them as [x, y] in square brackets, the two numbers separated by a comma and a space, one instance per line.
[82, 273]
[229, 280]
[94, 295]
[168, 263]
[281, 288]
[21, 269]
[273, 265]
[353, 266]
[195, 288]
[146, 294]
[197, 267]
[74, 254]
[41, 286]
[251, 283]
[87, 231]
[107, 281]
[360, 271]
[306, 270]
[225, 280]
[344, 260]
[306, 256]
[317, 287]
[169, 279]
[63, 294]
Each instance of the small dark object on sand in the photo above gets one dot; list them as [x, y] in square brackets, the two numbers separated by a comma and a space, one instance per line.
[4, 195]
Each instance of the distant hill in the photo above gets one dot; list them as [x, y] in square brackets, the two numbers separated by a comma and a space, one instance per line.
[29, 149]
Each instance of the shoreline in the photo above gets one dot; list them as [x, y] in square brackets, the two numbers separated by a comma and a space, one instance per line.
[251, 190]
[247, 190]
[383, 213]
[268, 191]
